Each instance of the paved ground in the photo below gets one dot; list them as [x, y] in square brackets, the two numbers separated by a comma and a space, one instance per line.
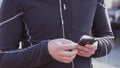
[112, 62]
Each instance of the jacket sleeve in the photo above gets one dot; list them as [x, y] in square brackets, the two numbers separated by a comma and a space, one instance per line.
[102, 30]
[11, 29]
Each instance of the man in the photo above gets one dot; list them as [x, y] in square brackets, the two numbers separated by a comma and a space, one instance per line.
[49, 31]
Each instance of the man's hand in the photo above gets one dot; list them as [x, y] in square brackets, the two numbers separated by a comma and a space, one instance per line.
[62, 50]
[87, 50]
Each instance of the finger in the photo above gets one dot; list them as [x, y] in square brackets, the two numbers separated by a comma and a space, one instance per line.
[86, 53]
[82, 52]
[91, 47]
[68, 58]
[62, 60]
[68, 53]
[65, 41]
[72, 46]
[82, 48]
[83, 55]
[96, 43]
[65, 59]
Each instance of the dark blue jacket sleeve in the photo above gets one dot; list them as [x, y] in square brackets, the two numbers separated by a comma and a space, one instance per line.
[102, 29]
[11, 29]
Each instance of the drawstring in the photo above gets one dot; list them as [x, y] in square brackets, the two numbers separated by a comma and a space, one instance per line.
[62, 21]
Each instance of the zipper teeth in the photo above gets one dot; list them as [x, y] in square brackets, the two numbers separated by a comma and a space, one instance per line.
[73, 64]
[62, 21]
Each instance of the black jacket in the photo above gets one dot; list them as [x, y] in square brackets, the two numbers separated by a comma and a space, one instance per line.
[34, 22]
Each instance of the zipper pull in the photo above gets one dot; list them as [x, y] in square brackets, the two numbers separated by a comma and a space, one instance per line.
[64, 5]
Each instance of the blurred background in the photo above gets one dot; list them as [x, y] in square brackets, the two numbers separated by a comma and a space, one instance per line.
[113, 59]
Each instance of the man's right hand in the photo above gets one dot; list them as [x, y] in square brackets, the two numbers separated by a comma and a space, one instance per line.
[62, 50]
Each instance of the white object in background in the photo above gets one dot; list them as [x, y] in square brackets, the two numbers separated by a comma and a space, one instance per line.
[0, 2]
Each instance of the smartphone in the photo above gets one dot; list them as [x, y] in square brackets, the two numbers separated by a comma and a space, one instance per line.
[85, 39]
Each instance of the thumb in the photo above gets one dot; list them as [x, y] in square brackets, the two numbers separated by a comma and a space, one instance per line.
[69, 46]
[66, 41]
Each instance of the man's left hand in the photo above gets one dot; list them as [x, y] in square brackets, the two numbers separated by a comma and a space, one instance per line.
[87, 50]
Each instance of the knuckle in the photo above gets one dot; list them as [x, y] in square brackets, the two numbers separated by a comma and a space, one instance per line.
[67, 62]
[93, 52]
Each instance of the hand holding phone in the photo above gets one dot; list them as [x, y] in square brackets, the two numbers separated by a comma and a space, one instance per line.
[85, 39]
